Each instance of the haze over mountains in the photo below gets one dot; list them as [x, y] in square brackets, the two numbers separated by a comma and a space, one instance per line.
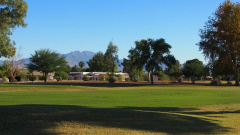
[74, 57]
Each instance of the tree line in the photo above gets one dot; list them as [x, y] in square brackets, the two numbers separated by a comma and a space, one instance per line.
[219, 44]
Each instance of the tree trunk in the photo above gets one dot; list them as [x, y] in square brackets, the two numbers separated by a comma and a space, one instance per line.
[45, 77]
[149, 76]
[193, 79]
[152, 77]
[236, 77]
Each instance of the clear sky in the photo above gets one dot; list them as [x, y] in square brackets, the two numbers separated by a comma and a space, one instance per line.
[71, 25]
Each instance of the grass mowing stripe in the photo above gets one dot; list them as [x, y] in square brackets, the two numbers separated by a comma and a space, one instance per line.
[170, 97]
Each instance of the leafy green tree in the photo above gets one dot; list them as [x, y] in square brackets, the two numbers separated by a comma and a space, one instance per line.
[221, 35]
[46, 61]
[174, 70]
[218, 69]
[32, 77]
[96, 64]
[61, 75]
[111, 58]
[12, 15]
[75, 69]
[151, 54]
[4, 69]
[66, 68]
[126, 65]
[161, 74]
[81, 64]
[135, 69]
[193, 68]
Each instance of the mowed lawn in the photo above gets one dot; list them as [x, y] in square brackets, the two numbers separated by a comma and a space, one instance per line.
[119, 109]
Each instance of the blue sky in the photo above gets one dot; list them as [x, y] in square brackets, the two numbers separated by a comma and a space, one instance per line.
[70, 25]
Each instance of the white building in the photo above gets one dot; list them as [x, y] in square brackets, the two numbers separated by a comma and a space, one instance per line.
[95, 75]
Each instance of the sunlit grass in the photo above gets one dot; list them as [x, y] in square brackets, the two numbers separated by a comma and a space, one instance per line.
[133, 109]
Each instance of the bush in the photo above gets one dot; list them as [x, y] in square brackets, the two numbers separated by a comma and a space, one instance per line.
[112, 79]
[136, 78]
[32, 77]
[216, 82]
[107, 78]
[85, 78]
[173, 79]
[5, 79]
[229, 82]
[127, 79]
[145, 77]
[41, 77]
[53, 80]
[119, 78]
[62, 74]
[101, 78]
[180, 80]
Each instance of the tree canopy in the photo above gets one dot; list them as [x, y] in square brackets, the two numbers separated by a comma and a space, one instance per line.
[96, 64]
[151, 54]
[174, 70]
[46, 61]
[220, 37]
[81, 64]
[193, 68]
[111, 58]
[12, 15]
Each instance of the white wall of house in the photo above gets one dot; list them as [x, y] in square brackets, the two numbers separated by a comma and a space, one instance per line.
[95, 75]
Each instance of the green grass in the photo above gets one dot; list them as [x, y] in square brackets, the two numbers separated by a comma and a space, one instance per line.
[144, 96]
[131, 109]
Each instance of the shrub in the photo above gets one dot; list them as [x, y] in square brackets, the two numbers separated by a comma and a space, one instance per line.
[112, 79]
[107, 78]
[41, 77]
[101, 78]
[5, 79]
[145, 77]
[62, 74]
[127, 79]
[173, 79]
[180, 80]
[53, 80]
[136, 78]
[32, 77]
[229, 82]
[85, 78]
[216, 82]
[119, 78]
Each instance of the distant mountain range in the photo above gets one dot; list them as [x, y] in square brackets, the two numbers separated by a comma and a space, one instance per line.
[74, 57]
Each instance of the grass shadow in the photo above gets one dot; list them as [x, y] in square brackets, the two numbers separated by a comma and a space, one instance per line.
[35, 119]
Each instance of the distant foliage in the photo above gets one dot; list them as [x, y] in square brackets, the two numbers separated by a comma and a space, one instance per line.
[127, 79]
[112, 79]
[32, 77]
[85, 78]
[180, 80]
[61, 75]
[41, 77]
